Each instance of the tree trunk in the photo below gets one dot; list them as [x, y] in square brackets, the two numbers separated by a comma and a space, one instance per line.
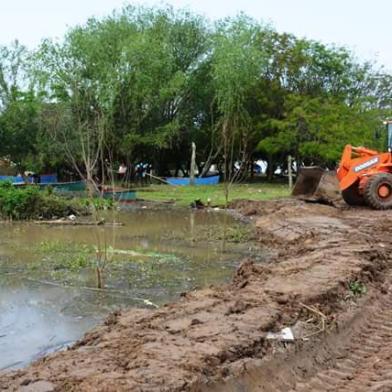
[252, 171]
[270, 169]
[210, 161]
[99, 278]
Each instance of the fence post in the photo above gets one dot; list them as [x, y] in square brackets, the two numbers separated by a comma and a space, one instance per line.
[290, 171]
[193, 165]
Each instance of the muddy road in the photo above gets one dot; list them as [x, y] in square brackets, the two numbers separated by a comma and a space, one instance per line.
[328, 278]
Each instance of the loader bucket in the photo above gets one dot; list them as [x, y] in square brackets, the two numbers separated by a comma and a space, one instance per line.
[317, 185]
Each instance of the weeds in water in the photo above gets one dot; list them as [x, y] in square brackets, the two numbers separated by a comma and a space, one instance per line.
[357, 288]
[99, 203]
[235, 234]
[74, 257]
[63, 256]
[61, 246]
[231, 234]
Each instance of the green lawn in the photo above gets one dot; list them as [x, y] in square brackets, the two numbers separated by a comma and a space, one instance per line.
[184, 195]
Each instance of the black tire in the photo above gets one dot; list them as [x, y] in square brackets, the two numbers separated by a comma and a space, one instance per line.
[352, 197]
[372, 191]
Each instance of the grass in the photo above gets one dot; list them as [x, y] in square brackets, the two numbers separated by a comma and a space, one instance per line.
[357, 288]
[184, 195]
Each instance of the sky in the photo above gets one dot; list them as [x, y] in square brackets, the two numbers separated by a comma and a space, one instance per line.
[363, 26]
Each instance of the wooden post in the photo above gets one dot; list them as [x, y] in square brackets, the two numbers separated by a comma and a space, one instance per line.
[290, 172]
[193, 164]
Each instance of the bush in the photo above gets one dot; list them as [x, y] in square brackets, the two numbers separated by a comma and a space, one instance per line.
[29, 202]
[97, 203]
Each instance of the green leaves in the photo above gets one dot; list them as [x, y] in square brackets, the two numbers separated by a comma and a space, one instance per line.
[147, 82]
[317, 129]
[237, 63]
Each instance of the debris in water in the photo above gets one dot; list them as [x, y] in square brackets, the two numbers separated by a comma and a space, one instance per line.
[148, 302]
[198, 204]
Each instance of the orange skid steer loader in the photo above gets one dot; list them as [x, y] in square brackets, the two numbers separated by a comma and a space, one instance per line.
[364, 177]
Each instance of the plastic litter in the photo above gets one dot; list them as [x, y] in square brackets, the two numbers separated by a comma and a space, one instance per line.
[285, 335]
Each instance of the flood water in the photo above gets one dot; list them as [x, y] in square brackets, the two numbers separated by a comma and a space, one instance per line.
[48, 283]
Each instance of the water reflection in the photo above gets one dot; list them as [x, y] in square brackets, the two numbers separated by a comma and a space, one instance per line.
[33, 323]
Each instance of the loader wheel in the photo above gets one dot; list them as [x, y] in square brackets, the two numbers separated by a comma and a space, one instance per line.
[352, 196]
[378, 191]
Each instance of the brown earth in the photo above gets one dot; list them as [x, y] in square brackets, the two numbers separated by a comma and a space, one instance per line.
[215, 339]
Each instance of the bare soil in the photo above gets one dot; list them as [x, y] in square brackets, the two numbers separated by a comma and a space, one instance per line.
[215, 339]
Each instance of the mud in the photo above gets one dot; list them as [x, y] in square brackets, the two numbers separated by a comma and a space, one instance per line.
[215, 339]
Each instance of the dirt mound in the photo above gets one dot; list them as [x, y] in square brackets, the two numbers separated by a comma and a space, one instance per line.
[219, 333]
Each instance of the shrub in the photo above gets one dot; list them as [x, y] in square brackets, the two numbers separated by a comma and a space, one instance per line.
[29, 202]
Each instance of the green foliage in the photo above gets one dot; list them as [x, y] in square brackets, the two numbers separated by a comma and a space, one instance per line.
[143, 83]
[357, 288]
[98, 203]
[238, 60]
[124, 78]
[28, 202]
[63, 256]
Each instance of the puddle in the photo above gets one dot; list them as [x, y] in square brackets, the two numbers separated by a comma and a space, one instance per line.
[48, 294]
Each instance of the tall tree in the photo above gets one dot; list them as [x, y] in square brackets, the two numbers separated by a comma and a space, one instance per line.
[238, 60]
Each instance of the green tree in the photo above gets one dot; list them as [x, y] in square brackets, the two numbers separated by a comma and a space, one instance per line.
[238, 61]
[19, 105]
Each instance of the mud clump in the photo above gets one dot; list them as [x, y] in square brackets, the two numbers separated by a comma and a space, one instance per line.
[213, 335]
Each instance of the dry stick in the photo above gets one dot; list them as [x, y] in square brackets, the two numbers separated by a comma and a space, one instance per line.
[75, 223]
[314, 310]
[110, 291]
[113, 244]
[159, 179]
[322, 316]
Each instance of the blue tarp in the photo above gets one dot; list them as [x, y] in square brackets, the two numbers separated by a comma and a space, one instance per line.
[13, 179]
[48, 178]
[198, 181]
[45, 179]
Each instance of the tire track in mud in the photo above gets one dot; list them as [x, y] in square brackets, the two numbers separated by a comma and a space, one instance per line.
[364, 363]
